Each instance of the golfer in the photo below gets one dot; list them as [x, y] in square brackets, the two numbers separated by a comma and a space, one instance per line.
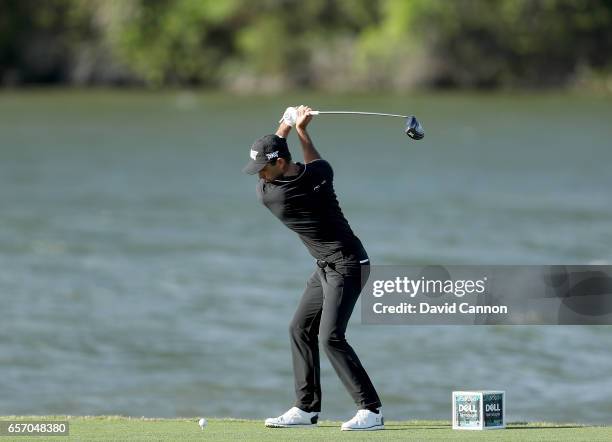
[302, 196]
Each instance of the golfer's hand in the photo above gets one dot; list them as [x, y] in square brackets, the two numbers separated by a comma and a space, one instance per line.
[303, 117]
[289, 116]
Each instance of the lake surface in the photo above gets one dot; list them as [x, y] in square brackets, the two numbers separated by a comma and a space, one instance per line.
[139, 275]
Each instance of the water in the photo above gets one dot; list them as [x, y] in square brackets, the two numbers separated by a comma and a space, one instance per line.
[140, 276]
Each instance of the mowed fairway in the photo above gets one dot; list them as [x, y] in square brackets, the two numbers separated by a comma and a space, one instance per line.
[122, 428]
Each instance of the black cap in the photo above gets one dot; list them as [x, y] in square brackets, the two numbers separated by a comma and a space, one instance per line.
[265, 150]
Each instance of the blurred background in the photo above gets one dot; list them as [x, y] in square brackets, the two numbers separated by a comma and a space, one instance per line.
[139, 275]
[334, 45]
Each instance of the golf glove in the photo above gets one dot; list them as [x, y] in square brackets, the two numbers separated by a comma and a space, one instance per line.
[289, 117]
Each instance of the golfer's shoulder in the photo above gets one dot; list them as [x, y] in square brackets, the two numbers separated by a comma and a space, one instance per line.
[320, 167]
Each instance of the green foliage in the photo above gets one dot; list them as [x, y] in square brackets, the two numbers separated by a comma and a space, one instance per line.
[180, 42]
[483, 43]
[349, 44]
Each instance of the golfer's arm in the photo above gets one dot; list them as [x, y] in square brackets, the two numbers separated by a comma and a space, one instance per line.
[308, 149]
[283, 130]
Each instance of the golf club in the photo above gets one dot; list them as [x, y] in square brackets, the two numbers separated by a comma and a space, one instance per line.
[413, 128]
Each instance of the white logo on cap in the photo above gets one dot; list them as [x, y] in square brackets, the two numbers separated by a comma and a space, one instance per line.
[253, 154]
[272, 155]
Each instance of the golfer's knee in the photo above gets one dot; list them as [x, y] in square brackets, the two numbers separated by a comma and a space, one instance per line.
[332, 341]
[296, 331]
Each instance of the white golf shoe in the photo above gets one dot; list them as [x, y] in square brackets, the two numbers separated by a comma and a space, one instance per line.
[295, 417]
[365, 420]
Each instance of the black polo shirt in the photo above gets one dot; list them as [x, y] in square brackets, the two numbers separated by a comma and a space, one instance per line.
[307, 204]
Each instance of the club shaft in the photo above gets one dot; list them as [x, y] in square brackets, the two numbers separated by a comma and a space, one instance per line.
[356, 113]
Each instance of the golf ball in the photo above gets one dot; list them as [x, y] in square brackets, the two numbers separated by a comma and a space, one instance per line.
[202, 423]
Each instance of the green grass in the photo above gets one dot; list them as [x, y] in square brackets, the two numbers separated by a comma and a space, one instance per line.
[110, 428]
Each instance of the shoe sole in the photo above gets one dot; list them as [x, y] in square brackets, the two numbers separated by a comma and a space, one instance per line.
[372, 428]
[290, 426]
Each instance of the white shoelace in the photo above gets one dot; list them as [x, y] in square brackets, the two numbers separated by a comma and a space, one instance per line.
[290, 414]
[361, 416]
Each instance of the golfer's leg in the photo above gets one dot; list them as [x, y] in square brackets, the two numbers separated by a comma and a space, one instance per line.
[341, 294]
[303, 332]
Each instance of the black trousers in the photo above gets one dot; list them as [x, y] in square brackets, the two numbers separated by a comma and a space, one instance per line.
[322, 316]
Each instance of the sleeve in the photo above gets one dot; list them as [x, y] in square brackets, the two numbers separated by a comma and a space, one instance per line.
[322, 168]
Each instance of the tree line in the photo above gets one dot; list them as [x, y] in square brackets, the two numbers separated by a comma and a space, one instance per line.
[336, 45]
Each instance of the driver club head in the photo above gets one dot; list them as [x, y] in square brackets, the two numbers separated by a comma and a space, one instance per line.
[414, 129]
